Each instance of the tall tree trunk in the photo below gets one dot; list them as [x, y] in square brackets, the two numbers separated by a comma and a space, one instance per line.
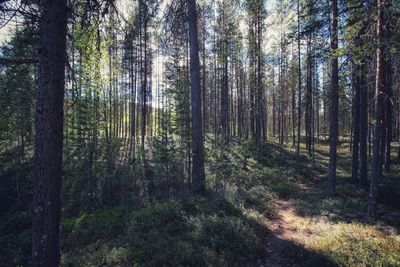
[363, 127]
[308, 107]
[356, 122]
[259, 96]
[299, 80]
[225, 93]
[293, 116]
[204, 77]
[46, 209]
[333, 108]
[388, 117]
[199, 183]
[379, 88]
[273, 103]
[144, 78]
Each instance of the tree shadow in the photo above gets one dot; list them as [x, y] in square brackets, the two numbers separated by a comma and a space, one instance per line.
[350, 203]
[210, 230]
[289, 253]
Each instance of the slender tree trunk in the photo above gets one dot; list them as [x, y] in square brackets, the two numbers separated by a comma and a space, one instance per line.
[225, 93]
[299, 80]
[273, 104]
[379, 88]
[199, 182]
[204, 77]
[356, 122]
[259, 97]
[308, 107]
[363, 127]
[388, 111]
[144, 80]
[333, 108]
[293, 111]
[46, 209]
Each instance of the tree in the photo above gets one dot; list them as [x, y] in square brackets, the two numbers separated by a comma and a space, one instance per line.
[256, 14]
[356, 122]
[199, 183]
[379, 97]
[363, 127]
[299, 80]
[46, 209]
[334, 102]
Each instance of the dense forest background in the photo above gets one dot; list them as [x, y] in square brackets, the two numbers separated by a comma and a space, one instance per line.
[216, 133]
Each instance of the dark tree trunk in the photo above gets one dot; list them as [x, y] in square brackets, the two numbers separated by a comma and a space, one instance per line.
[356, 122]
[259, 96]
[308, 107]
[252, 80]
[299, 80]
[333, 108]
[46, 209]
[144, 76]
[363, 127]
[294, 114]
[388, 116]
[273, 104]
[379, 88]
[199, 182]
[134, 70]
[225, 94]
[204, 77]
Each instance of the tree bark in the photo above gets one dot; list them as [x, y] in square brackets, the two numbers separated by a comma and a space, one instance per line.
[308, 100]
[356, 122]
[199, 183]
[379, 88]
[259, 103]
[46, 210]
[333, 108]
[363, 156]
[299, 80]
[388, 112]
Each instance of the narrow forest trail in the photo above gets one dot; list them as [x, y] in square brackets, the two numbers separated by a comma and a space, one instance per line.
[286, 230]
[290, 232]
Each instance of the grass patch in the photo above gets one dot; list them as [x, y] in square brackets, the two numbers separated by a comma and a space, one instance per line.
[356, 245]
[182, 232]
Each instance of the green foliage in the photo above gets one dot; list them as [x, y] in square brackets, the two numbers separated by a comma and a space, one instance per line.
[15, 240]
[358, 245]
[17, 93]
[186, 232]
[97, 254]
[167, 164]
[194, 232]
[260, 199]
[89, 227]
[159, 235]
[93, 238]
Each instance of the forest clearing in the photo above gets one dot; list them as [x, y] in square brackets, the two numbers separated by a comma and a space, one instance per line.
[199, 133]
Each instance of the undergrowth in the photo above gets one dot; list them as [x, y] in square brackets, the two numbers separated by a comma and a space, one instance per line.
[226, 227]
[355, 244]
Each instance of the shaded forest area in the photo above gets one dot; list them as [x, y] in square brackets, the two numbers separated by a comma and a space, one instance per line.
[199, 133]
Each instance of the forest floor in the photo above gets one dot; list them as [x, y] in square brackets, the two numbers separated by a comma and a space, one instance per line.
[309, 229]
[263, 207]
[286, 228]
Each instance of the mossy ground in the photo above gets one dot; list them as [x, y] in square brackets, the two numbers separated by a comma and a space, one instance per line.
[263, 207]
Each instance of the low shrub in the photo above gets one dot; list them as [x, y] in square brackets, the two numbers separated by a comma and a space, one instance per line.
[357, 245]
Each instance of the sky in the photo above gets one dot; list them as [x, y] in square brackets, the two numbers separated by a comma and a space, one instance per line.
[6, 32]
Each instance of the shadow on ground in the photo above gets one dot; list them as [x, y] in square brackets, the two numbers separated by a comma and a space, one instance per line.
[350, 203]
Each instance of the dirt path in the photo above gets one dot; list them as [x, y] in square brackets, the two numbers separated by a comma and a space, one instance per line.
[288, 232]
